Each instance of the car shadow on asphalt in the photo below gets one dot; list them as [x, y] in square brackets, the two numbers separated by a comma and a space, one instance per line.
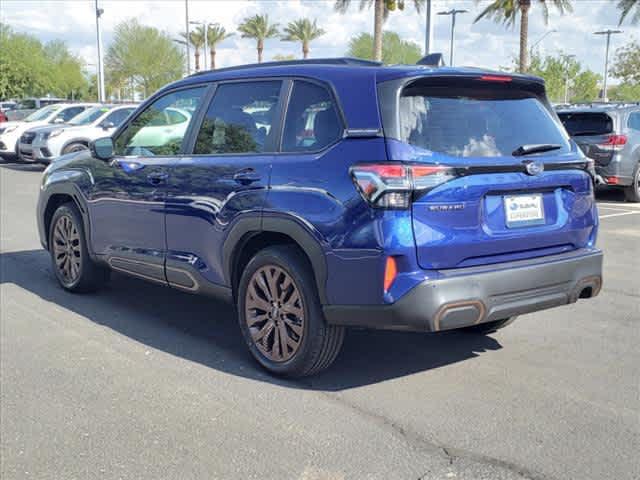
[204, 330]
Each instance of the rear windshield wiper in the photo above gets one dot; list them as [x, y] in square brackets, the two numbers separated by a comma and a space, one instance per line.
[539, 148]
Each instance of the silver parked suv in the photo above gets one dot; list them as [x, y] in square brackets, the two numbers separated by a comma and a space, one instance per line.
[609, 134]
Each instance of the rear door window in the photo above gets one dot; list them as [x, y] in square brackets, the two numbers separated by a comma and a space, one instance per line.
[312, 121]
[586, 123]
[634, 121]
[476, 121]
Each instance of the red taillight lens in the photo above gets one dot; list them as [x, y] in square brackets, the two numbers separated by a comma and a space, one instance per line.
[496, 78]
[386, 185]
[614, 142]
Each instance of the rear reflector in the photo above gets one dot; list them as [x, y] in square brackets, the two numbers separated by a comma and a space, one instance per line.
[496, 78]
[613, 180]
[390, 273]
[392, 185]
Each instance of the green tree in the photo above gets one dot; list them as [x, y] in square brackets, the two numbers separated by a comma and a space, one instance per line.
[196, 39]
[626, 7]
[216, 33]
[303, 31]
[67, 79]
[624, 92]
[394, 49]
[626, 64]
[144, 56]
[258, 28]
[381, 10]
[506, 11]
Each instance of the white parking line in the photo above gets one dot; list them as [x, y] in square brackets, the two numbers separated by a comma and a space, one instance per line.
[625, 206]
[609, 215]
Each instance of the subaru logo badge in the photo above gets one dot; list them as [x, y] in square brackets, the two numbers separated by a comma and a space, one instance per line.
[534, 168]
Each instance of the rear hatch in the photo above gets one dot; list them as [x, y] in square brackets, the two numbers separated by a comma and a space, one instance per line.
[510, 183]
[593, 132]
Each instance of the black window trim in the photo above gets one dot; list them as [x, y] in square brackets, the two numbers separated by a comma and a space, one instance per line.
[187, 136]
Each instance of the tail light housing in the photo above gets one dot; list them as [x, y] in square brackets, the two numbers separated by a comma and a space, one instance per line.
[394, 185]
[614, 143]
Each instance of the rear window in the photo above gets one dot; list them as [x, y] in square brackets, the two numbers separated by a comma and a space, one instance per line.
[476, 122]
[586, 123]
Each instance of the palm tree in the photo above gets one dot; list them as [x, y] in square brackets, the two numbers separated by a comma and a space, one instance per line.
[196, 39]
[303, 31]
[381, 9]
[625, 7]
[506, 11]
[215, 34]
[258, 27]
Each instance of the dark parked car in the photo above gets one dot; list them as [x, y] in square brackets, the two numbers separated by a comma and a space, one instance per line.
[610, 135]
[324, 194]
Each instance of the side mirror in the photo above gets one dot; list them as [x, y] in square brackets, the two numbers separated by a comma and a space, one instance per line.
[102, 148]
[107, 125]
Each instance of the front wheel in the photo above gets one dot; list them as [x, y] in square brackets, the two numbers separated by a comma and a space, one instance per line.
[280, 315]
[70, 259]
[632, 192]
[489, 327]
[74, 147]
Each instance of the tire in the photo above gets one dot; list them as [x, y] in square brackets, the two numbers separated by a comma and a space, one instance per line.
[489, 327]
[310, 344]
[632, 192]
[70, 259]
[74, 147]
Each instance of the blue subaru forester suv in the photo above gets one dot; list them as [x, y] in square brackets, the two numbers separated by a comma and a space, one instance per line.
[324, 194]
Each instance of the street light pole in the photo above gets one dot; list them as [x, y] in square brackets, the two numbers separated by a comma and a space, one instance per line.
[186, 24]
[566, 78]
[542, 38]
[428, 34]
[608, 33]
[101, 93]
[453, 12]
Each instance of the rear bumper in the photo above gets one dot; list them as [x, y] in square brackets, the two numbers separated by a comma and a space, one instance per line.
[469, 296]
[618, 169]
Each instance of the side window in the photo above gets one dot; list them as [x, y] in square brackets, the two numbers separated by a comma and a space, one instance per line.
[151, 134]
[634, 121]
[68, 113]
[312, 120]
[239, 118]
[117, 117]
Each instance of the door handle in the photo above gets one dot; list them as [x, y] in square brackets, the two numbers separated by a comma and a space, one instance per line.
[157, 178]
[246, 176]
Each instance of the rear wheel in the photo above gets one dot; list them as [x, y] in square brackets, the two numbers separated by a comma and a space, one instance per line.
[70, 258]
[280, 315]
[489, 327]
[632, 192]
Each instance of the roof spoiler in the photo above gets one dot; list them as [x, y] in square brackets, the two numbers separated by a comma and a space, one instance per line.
[432, 60]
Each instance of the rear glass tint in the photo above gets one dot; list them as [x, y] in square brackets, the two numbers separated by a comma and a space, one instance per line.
[586, 123]
[476, 122]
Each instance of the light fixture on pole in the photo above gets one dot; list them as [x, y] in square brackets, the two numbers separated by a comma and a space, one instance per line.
[205, 29]
[608, 33]
[543, 37]
[453, 12]
[186, 24]
[567, 58]
[428, 34]
[101, 93]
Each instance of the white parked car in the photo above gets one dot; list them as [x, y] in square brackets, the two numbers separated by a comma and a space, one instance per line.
[43, 144]
[10, 132]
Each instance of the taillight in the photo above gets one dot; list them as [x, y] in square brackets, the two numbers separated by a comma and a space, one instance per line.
[393, 185]
[496, 78]
[614, 143]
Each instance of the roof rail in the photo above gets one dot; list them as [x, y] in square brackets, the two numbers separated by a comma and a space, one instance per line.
[356, 62]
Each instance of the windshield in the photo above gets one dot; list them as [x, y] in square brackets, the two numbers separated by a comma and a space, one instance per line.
[476, 122]
[89, 116]
[43, 113]
[586, 123]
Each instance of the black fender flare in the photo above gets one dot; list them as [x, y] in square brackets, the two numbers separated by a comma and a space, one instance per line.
[307, 239]
[74, 140]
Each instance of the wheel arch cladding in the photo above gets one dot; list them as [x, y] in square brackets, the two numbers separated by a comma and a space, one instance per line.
[53, 203]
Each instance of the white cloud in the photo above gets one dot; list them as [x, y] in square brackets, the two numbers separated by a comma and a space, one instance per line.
[479, 44]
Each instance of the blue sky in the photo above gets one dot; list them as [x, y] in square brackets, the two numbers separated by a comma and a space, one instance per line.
[481, 44]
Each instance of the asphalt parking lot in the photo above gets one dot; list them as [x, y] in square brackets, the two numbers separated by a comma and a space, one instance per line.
[139, 381]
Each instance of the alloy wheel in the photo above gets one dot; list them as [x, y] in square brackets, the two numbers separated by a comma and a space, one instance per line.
[274, 313]
[66, 249]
